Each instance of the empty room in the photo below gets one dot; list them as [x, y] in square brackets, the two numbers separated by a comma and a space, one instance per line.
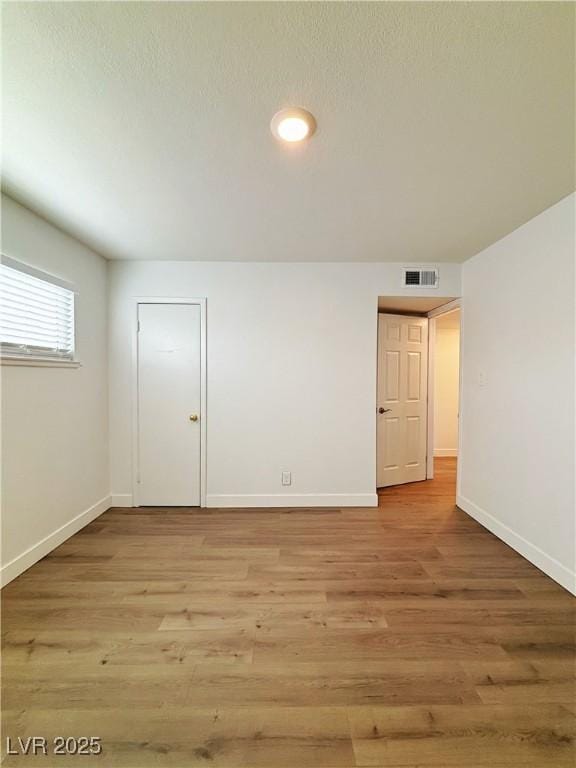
[287, 336]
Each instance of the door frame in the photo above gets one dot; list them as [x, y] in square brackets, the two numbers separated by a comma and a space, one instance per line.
[445, 309]
[201, 302]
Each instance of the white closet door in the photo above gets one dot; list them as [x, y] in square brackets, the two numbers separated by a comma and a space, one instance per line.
[169, 405]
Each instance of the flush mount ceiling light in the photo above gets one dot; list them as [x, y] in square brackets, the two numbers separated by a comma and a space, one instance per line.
[293, 124]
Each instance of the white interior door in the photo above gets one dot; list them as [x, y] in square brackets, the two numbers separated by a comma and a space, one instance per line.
[169, 432]
[402, 399]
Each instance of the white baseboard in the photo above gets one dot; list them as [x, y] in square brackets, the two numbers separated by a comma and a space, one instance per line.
[551, 567]
[121, 500]
[445, 452]
[241, 501]
[15, 567]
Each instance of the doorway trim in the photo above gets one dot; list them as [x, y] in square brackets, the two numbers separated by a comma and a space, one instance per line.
[201, 302]
[445, 309]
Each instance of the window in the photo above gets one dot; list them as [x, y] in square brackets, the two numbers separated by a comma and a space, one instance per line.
[36, 314]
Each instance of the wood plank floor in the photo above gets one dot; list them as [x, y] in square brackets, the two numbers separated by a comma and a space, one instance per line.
[400, 636]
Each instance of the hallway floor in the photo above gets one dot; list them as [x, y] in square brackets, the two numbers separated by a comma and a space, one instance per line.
[405, 635]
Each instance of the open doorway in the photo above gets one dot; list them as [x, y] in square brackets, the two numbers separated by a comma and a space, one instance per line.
[417, 392]
[443, 394]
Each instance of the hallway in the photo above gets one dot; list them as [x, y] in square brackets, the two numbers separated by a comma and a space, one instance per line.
[441, 489]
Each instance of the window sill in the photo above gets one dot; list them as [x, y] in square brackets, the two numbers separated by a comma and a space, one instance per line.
[39, 362]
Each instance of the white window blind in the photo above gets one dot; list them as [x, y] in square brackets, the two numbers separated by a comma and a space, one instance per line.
[36, 314]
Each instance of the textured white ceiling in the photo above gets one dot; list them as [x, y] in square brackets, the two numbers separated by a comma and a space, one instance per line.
[142, 128]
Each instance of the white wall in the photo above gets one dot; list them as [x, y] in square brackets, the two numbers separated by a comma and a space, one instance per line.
[517, 400]
[446, 382]
[54, 420]
[291, 374]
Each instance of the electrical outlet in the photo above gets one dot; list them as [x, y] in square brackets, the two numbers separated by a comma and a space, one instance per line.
[286, 478]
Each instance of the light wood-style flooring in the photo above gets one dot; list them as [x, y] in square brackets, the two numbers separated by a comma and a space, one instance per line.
[401, 636]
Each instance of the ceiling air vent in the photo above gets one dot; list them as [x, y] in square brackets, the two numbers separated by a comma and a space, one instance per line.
[420, 278]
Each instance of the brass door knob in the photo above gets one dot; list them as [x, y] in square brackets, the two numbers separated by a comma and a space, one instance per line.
[194, 417]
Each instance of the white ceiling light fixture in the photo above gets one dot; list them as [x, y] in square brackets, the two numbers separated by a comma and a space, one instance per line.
[293, 125]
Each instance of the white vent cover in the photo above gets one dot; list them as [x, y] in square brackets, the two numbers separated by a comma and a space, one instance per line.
[420, 277]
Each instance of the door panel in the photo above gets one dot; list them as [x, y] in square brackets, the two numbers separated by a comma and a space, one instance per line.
[393, 331]
[403, 392]
[392, 443]
[168, 395]
[413, 377]
[392, 377]
[415, 333]
[413, 431]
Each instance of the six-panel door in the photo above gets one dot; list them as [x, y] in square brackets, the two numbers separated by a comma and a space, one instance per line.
[402, 399]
